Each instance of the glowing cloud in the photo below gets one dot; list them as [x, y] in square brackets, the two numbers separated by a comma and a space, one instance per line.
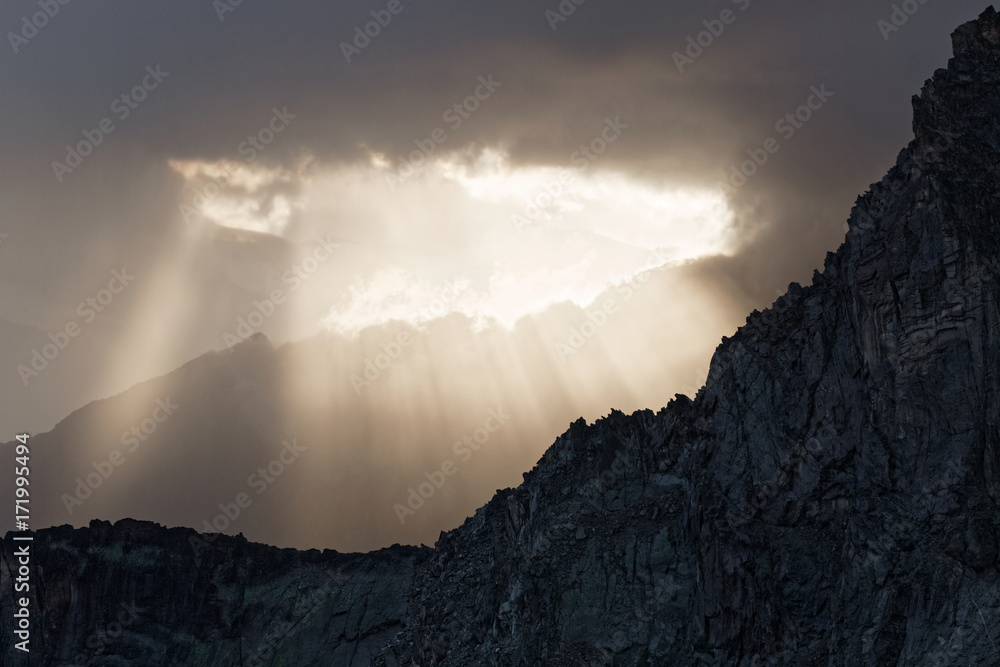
[503, 241]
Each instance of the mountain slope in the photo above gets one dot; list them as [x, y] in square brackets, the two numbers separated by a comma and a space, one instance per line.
[830, 497]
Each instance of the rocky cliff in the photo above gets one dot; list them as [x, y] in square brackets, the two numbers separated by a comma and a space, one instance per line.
[138, 594]
[830, 497]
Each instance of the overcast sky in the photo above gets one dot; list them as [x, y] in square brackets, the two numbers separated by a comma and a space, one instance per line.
[176, 163]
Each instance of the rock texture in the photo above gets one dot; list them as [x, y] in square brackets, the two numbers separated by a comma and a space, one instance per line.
[830, 497]
[138, 594]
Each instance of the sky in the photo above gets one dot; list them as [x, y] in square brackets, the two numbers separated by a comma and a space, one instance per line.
[177, 176]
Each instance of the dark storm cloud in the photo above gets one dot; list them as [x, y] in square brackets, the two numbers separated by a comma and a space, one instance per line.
[226, 74]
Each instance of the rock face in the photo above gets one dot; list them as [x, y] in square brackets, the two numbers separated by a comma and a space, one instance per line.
[830, 497]
[139, 594]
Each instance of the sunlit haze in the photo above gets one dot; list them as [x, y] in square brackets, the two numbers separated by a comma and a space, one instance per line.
[527, 237]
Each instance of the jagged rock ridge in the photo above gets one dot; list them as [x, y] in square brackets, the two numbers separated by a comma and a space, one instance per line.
[830, 497]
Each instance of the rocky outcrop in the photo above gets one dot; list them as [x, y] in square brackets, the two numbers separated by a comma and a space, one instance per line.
[134, 593]
[830, 497]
